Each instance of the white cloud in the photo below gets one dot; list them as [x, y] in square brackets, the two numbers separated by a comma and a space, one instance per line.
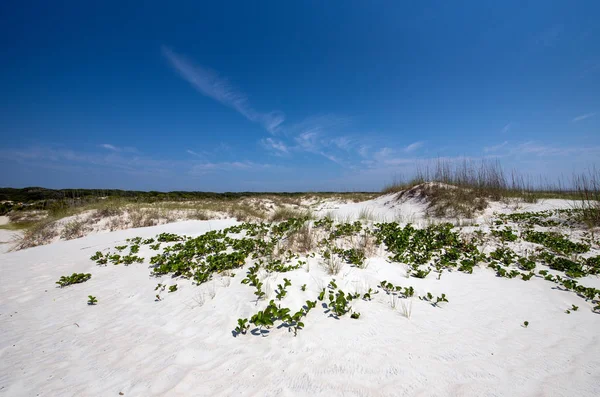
[413, 146]
[308, 141]
[363, 151]
[205, 168]
[108, 146]
[584, 116]
[495, 148]
[539, 149]
[193, 153]
[210, 84]
[274, 145]
[114, 148]
[342, 142]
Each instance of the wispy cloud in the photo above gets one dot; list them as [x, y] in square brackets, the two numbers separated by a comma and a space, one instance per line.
[342, 142]
[506, 128]
[114, 148]
[308, 141]
[584, 116]
[193, 153]
[278, 147]
[210, 84]
[363, 151]
[495, 148]
[413, 146]
[540, 149]
[108, 146]
[208, 167]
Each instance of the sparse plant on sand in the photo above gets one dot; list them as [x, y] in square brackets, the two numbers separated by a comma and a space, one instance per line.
[242, 326]
[406, 308]
[74, 278]
[92, 300]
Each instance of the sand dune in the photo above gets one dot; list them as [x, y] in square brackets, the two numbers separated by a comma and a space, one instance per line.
[53, 344]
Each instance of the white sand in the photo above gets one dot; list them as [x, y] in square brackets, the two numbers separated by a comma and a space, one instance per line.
[53, 344]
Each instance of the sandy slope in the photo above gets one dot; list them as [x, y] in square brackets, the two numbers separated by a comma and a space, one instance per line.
[53, 344]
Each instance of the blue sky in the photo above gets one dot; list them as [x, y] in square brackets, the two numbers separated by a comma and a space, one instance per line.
[292, 96]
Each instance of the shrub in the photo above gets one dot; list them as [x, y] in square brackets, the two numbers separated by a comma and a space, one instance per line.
[74, 229]
[74, 278]
[42, 232]
[285, 214]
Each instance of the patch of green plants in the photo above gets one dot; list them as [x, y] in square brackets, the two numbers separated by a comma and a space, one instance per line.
[169, 237]
[134, 240]
[420, 273]
[74, 278]
[392, 289]
[504, 255]
[555, 242]
[527, 276]
[571, 268]
[506, 234]
[100, 258]
[280, 292]
[434, 301]
[278, 266]
[339, 303]
[242, 326]
[503, 272]
[530, 219]
[129, 259]
[526, 264]
[354, 256]
[573, 308]
[346, 229]
[593, 265]
[272, 313]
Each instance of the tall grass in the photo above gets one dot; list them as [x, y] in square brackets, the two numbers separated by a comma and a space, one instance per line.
[480, 181]
[587, 186]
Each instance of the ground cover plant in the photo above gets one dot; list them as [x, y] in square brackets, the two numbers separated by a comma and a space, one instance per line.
[74, 278]
[519, 247]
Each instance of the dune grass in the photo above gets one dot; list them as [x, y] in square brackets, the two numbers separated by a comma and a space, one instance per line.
[464, 188]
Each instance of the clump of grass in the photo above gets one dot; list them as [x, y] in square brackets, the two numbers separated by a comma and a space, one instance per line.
[286, 213]
[480, 182]
[366, 214]
[587, 186]
[109, 208]
[40, 233]
[200, 215]
[332, 264]
[74, 229]
[144, 217]
[305, 238]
